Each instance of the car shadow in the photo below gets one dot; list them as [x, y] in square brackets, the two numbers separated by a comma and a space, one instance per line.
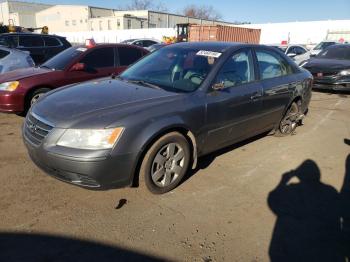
[205, 161]
[44, 248]
[313, 219]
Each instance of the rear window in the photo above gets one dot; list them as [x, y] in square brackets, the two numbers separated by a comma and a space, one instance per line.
[128, 55]
[51, 41]
[3, 53]
[30, 41]
[341, 53]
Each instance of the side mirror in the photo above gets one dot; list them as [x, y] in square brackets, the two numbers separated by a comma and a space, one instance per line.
[218, 86]
[292, 55]
[78, 67]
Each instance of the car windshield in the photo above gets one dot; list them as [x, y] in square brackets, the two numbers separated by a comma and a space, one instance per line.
[173, 68]
[60, 61]
[323, 45]
[341, 53]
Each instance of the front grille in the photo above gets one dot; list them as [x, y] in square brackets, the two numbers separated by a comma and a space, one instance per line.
[35, 130]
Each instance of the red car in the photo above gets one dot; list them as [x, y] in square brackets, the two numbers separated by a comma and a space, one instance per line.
[19, 89]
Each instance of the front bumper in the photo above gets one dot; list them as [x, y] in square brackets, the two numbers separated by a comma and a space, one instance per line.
[93, 170]
[338, 83]
[11, 102]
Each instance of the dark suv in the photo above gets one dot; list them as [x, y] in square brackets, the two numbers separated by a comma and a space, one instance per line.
[41, 47]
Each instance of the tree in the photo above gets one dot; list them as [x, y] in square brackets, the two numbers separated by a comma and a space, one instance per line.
[146, 5]
[203, 12]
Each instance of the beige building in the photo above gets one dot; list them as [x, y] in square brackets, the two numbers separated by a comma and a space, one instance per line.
[20, 13]
[70, 18]
[76, 18]
[143, 19]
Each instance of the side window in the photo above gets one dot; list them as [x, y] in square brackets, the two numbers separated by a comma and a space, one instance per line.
[272, 65]
[148, 43]
[30, 41]
[51, 41]
[3, 53]
[99, 58]
[138, 43]
[291, 50]
[128, 55]
[299, 50]
[238, 70]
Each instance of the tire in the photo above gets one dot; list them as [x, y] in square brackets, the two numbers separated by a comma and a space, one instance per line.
[165, 163]
[33, 97]
[289, 122]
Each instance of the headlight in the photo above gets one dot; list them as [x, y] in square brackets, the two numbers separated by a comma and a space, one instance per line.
[90, 138]
[345, 72]
[9, 86]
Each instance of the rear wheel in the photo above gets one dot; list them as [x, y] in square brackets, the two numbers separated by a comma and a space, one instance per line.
[290, 121]
[165, 163]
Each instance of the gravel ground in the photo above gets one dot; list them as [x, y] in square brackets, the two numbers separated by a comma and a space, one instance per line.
[222, 212]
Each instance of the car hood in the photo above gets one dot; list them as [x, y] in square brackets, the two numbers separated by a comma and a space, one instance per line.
[22, 73]
[316, 65]
[98, 104]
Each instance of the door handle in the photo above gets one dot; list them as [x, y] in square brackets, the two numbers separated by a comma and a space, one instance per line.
[256, 96]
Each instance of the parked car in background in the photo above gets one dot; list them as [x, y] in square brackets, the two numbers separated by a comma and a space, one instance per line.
[321, 46]
[141, 42]
[331, 68]
[41, 47]
[297, 52]
[21, 88]
[155, 47]
[174, 105]
[12, 59]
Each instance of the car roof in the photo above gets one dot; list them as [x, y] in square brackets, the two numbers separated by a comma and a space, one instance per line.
[30, 34]
[111, 45]
[211, 46]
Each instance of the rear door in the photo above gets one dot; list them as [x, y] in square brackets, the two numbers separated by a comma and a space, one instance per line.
[233, 113]
[52, 46]
[35, 45]
[127, 56]
[278, 81]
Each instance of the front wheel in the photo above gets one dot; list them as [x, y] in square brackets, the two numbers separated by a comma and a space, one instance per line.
[166, 163]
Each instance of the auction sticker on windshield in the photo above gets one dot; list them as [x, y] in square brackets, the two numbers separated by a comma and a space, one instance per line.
[208, 53]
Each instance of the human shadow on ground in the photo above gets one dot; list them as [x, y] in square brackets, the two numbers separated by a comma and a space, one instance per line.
[45, 248]
[308, 226]
[313, 219]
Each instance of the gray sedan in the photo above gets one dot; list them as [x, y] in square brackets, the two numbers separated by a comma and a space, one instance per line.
[12, 59]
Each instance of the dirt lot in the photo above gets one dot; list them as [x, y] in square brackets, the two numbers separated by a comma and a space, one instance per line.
[220, 213]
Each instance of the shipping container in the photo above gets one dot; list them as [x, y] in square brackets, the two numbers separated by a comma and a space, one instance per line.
[199, 33]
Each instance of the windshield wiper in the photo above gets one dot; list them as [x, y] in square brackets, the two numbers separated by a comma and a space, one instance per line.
[144, 83]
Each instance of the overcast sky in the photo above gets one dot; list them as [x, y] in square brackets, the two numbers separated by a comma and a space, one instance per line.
[255, 11]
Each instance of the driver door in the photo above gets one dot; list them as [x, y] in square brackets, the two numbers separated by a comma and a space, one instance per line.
[234, 102]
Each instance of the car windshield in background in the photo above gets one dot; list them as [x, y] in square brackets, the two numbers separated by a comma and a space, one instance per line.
[173, 69]
[341, 53]
[60, 61]
[323, 45]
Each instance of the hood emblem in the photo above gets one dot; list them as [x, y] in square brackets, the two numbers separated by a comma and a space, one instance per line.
[32, 127]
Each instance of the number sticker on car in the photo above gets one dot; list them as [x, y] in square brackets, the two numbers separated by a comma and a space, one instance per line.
[208, 53]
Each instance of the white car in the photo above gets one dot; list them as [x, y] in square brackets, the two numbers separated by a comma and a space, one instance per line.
[297, 52]
[322, 45]
[12, 59]
[141, 42]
